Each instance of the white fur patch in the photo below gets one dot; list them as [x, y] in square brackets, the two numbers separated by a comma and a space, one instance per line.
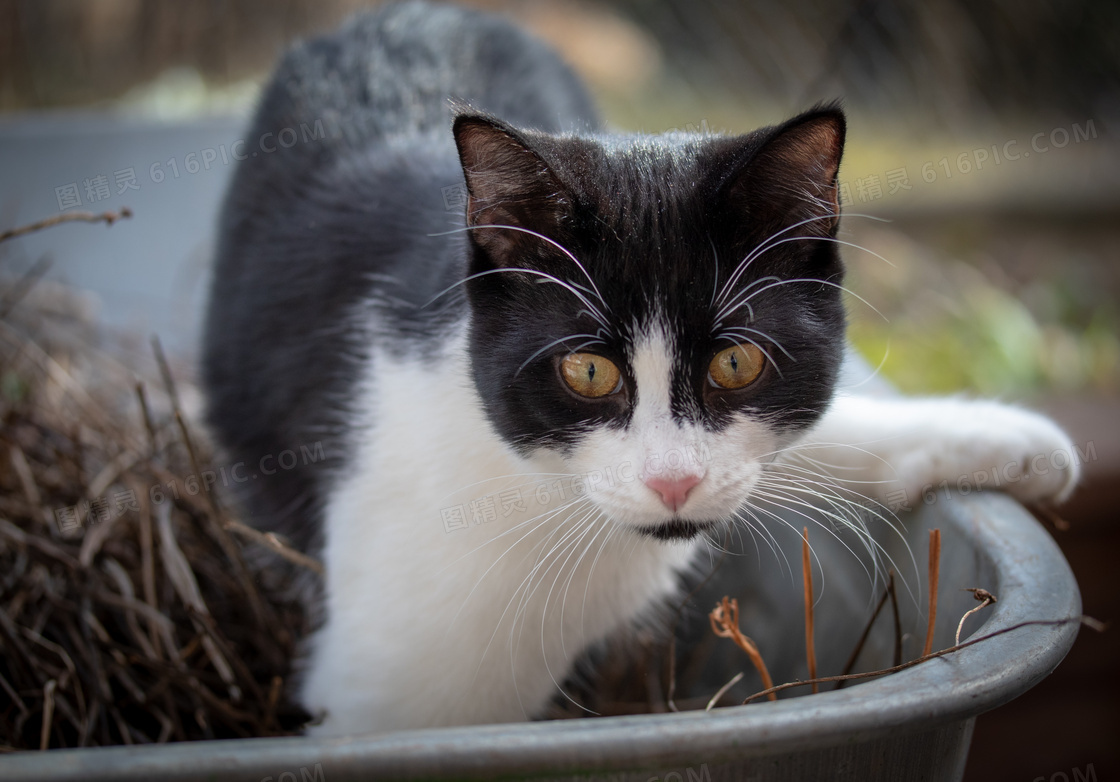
[432, 623]
[655, 444]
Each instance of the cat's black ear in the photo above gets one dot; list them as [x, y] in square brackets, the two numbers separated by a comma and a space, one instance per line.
[508, 184]
[792, 177]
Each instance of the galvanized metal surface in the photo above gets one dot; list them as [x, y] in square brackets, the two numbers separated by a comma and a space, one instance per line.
[912, 725]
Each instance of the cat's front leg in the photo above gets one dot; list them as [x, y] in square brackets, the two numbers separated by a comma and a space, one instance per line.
[896, 450]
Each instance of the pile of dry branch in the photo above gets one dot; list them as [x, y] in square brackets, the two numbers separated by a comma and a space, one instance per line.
[132, 609]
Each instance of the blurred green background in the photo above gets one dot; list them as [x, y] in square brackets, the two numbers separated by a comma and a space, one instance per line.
[981, 185]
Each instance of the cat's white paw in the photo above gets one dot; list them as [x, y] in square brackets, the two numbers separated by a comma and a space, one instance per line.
[900, 451]
[987, 445]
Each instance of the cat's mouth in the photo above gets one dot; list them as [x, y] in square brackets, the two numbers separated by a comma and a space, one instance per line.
[676, 529]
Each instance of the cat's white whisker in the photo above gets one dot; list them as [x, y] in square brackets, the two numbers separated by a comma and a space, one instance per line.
[770, 242]
[757, 529]
[763, 246]
[727, 336]
[846, 513]
[534, 523]
[590, 526]
[544, 238]
[590, 339]
[611, 529]
[736, 302]
[715, 274]
[575, 290]
[729, 332]
[871, 375]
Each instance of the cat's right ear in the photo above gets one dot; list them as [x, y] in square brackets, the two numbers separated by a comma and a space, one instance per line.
[510, 190]
[792, 177]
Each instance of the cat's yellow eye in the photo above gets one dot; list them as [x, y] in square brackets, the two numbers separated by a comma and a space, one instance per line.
[590, 375]
[736, 367]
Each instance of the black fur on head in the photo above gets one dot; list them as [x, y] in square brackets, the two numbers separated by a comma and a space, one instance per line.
[611, 234]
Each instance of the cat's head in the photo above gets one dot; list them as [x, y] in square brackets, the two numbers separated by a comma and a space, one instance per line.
[662, 310]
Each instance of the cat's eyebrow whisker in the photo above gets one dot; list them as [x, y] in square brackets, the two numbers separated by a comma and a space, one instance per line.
[544, 238]
[770, 243]
[574, 289]
[591, 339]
[748, 330]
[741, 298]
[766, 244]
[735, 303]
[736, 341]
[878, 370]
[561, 248]
[813, 281]
[715, 283]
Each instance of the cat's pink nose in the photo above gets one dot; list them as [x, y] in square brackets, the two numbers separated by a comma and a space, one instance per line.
[673, 491]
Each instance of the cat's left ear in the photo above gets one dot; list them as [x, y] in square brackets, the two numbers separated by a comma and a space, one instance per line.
[509, 185]
[791, 178]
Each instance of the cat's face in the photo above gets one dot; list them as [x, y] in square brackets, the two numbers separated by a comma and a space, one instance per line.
[661, 315]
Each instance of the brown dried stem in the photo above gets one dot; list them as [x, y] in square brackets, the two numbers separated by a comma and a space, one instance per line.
[725, 623]
[807, 572]
[934, 575]
[986, 599]
[67, 217]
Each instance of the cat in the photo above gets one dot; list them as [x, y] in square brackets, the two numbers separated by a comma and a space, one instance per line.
[537, 406]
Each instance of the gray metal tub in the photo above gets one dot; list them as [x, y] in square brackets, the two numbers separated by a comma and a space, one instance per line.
[912, 725]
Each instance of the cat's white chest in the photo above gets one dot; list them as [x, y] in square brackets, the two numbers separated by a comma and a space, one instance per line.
[462, 581]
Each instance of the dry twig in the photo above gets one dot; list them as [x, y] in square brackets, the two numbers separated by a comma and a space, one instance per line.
[725, 623]
[934, 576]
[66, 217]
[109, 632]
[807, 573]
[986, 599]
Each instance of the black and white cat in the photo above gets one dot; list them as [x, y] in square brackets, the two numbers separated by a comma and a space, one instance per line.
[533, 413]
